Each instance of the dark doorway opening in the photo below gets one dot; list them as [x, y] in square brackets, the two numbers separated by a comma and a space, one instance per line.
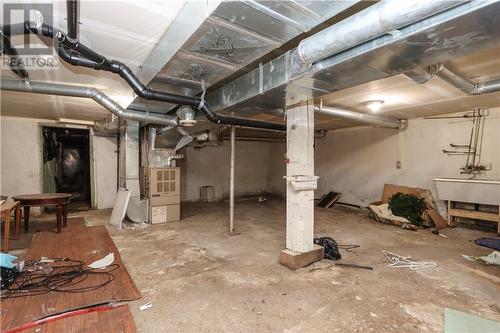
[66, 164]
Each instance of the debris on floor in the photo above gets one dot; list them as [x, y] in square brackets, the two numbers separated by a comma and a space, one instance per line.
[458, 321]
[407, 207]
[491, 259]
[439, 221]
[7, 260]
[492, 243]
[328, 199]
[104, 262]
[399, 261]
[146, 306]
[383, 214]
[331, 247]
[345, 264]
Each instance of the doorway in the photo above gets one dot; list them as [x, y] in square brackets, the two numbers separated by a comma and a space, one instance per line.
[66, 164]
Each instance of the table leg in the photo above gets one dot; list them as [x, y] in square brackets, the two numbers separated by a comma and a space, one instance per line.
[6, 232]
[18, 220]
[59, 210]
[65, 215]
[26, 218]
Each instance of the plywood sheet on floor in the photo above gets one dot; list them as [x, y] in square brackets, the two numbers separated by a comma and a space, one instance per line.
[118, 319]
[76, 242]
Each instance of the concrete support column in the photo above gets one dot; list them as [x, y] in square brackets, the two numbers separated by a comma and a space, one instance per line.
[300, 185]
[231, 180]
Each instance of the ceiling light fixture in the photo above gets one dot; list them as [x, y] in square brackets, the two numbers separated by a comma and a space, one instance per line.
[374, 106]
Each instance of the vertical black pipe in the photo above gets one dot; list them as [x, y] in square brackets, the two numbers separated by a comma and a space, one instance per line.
[15, 62]
[72, 12]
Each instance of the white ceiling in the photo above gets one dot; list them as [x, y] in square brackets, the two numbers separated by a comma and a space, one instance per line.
[126, 31]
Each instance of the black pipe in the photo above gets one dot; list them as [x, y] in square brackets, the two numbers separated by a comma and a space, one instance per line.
[15, 63]
[77, 54]
[72, 17]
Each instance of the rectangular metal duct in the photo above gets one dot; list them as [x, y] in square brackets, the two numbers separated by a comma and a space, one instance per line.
[234, 35]
[459, 31]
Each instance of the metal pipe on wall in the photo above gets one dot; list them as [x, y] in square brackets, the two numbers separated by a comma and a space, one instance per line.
[378, 19]
[231, 180]
[85, 92]
[361, 117]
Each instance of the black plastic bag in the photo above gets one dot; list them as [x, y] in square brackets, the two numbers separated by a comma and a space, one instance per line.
[331, 247]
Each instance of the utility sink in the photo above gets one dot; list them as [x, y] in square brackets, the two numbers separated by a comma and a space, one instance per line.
[480, 191]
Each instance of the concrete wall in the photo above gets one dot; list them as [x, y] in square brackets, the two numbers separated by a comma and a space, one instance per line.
[21, 153]
[210, 167]
[277, 169]
[358, 161]
[21, 159]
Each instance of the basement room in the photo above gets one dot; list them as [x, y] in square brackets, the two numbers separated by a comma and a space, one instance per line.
[250, 166]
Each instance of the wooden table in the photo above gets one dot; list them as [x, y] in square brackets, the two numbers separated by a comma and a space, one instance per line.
[59, 200]
[5, 210]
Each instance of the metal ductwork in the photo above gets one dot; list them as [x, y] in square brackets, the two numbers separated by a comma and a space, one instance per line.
[77, 54]
[85, 92]
[360, 117]
[467, 86]
[464, 28]
[423, 75]
[384, 17]
[233, 36]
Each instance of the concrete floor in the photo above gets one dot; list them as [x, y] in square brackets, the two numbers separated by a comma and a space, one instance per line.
[200, 279]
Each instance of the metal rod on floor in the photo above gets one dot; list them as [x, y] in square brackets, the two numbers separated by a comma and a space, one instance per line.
[231, 181]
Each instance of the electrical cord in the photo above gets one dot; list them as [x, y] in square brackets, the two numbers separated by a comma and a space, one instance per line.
[57, 275]
[348, 247]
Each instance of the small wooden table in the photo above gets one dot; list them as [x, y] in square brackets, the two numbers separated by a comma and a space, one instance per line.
[5, 210]
[59, 200]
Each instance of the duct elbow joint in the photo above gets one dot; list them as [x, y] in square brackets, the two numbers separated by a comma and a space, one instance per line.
[126, 73]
